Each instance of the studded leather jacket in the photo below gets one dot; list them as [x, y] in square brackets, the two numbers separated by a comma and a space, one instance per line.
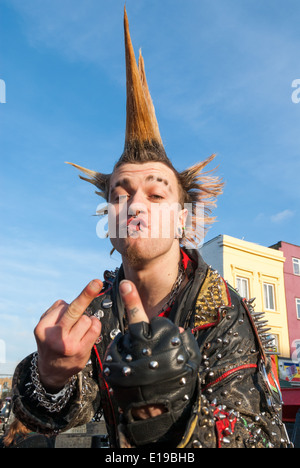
[237, 402]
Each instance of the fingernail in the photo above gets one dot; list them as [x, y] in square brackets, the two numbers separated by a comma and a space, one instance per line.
[125, 287]
[94, 285]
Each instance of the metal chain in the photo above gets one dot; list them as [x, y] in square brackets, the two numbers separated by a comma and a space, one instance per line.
[52, 403]
[175, 288]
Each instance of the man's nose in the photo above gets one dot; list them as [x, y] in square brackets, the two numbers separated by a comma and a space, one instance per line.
[136, 205]
[136, 209]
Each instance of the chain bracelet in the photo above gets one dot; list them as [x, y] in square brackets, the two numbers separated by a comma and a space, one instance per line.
[52, 403]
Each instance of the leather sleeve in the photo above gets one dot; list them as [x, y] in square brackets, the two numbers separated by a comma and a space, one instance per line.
[81, 407]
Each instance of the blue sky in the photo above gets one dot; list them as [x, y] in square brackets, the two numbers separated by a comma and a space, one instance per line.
[220, 74]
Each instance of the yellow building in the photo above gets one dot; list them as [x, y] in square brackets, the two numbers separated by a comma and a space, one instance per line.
[256, 271]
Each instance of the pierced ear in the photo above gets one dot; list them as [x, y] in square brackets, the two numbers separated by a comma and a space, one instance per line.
[183, 216]
[201, 188]
[181, 223]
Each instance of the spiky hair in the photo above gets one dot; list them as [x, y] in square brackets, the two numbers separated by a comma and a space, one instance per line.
[143, 144]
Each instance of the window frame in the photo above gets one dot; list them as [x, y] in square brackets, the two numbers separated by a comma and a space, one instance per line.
[297, 300]
[296, 261]
[267, 302]
[246, 281]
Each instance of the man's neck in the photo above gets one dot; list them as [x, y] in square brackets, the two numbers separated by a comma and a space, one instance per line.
[155, 279]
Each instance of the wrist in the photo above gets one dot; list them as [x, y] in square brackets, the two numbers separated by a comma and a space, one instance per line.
[52, 383]
[51, 399]
[52, 386]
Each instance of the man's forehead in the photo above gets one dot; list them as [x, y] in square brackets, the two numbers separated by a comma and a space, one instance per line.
[146, 172]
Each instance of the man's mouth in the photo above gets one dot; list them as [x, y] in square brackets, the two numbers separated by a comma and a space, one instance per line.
[135, 223]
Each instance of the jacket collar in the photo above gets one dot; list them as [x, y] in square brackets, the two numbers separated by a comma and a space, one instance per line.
[181, 311]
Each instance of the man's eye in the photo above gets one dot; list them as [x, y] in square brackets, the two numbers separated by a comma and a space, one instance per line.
[156, 197]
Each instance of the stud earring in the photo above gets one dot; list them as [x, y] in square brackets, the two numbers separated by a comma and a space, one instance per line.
[179, 232]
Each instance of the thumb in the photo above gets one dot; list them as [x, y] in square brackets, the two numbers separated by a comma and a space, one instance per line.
[132, 302]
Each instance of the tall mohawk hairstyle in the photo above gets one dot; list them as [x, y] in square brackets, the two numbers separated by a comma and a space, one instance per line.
[143, 144]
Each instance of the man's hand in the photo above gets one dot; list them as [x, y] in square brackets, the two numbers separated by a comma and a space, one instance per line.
[65, 338]
[135, 314]
[132, 302]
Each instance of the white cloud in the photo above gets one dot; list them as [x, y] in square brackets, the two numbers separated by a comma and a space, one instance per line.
[277, 218]
[282, 216]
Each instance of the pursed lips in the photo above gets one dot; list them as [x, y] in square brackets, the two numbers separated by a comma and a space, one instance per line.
[137, 223]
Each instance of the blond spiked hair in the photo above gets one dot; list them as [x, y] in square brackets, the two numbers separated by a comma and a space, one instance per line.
[143, 144]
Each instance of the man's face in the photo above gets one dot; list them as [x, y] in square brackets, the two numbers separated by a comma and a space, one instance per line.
[144, 210]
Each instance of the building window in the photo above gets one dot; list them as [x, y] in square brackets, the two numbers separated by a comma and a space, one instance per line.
[298, 308]
[269, 296]
[296, 266]
[296, 353]
[275, 343]
[242, 285]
